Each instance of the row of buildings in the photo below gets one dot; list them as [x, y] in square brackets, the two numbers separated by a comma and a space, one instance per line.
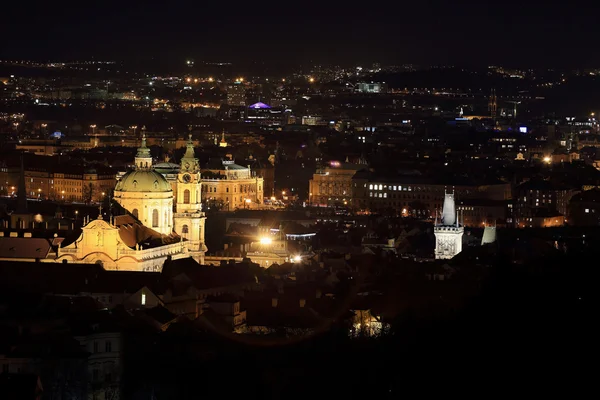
[534, 203]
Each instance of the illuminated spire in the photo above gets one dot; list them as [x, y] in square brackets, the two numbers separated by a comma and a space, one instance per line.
[449, 210]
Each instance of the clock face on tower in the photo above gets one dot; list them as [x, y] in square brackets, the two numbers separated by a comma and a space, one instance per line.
[187, 178]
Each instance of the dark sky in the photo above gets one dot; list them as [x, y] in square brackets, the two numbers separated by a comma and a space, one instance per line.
[422, 32]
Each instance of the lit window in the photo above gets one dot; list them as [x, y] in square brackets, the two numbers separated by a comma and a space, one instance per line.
[143, 299]
[380, 187]
[385, 195]
[370, 187]
[587, 210]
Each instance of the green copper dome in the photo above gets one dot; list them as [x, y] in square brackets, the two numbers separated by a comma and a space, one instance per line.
[143, 181]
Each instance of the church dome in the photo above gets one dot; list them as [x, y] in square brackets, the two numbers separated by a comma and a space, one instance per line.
[143, 181]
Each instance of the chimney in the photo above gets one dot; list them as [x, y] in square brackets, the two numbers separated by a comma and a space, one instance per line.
[302, 303]
[274, 302]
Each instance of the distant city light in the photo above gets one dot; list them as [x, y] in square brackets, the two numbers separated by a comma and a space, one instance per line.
[547, 160]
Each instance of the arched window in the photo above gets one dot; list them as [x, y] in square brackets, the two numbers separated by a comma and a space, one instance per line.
[184, 230]
[134, 212]
[186, 196]
[155, 218]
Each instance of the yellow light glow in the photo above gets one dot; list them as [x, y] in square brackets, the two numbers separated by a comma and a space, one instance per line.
[311, 79]
[266, 240]
[283, 80]
[297, 259]
[283, 192]
[547, 160]
[210, 79]
[248, 201]
[195, 80]
[272, 198]
[188, 80]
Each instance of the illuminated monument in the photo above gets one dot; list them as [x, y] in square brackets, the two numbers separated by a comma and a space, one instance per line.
[448, 233]
[143, 239]
[189, 218]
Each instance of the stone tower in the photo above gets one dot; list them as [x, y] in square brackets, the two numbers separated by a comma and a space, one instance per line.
[449, 232]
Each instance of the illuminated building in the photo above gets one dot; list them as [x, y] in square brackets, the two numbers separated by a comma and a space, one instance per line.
[236, 94]
[231, 186]
[146, 194]
[448, 232]
[364, 87]
[333, 184]
[189, 218]
[151, 232]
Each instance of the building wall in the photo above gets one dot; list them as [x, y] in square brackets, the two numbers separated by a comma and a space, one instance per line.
[418, 199]
[234, 193]
[144, 204]
[58, 186]
[331, 186]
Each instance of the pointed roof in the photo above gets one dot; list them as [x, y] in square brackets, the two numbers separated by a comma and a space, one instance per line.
[449, 211]
[143, 150]
[189, 162]
[260, 105]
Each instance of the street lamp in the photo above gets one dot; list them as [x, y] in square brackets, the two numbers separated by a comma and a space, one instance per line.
[93, 126]
[76, 214]
[134, 127]
[63, 194]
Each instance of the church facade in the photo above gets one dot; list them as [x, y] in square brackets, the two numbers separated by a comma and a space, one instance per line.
[159, 225]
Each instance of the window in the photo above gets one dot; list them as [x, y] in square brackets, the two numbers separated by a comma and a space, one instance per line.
[95, 347]
[143, 299]
[155, 218]
[134, 212]
[108, 346]
[186, 196]
[587, 210]
[184, 229]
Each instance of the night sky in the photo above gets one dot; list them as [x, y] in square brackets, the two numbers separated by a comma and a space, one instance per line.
[428, 32]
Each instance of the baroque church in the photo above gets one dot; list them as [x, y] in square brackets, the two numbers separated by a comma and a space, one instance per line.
[155, 224]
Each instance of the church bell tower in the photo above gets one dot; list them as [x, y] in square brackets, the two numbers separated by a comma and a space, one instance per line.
[188, 218]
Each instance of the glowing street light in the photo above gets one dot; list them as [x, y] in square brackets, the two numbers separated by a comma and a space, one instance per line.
[547, 160]
[210, 79]
[134, 127]
[93, 126]
[266, 240]
[188, 80]
[311, 79]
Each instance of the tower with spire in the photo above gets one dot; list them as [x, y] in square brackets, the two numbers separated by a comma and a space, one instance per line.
[448, 232]
[493, 104]
[143, 158]
[188, 218]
